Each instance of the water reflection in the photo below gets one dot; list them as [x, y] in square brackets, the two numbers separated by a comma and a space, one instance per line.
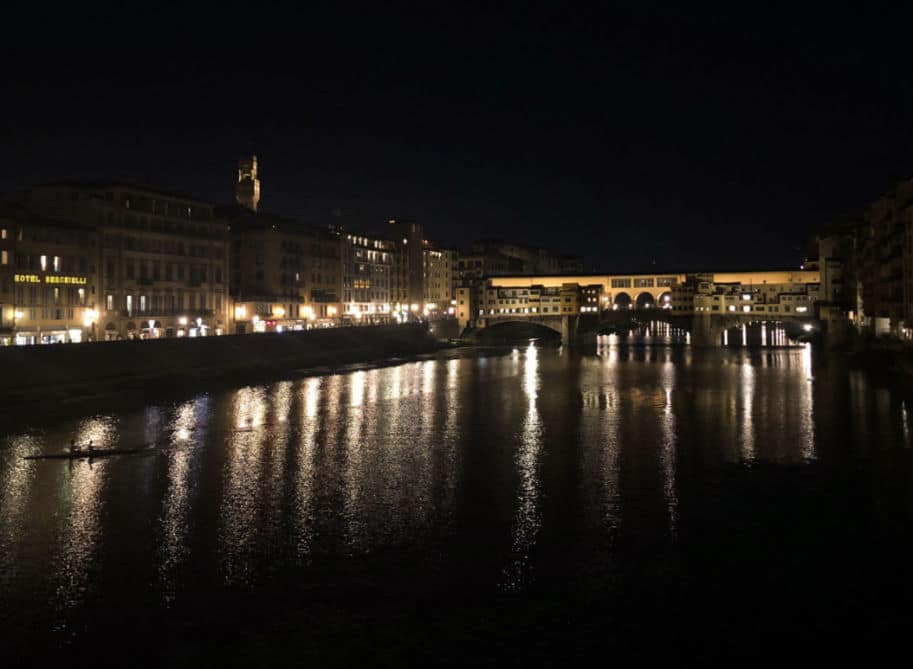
[82, 483]
[190, 418]
[16, 483]
[506, 469]
[527, 520]
[240, 508]
[669, 445]
[304, 512]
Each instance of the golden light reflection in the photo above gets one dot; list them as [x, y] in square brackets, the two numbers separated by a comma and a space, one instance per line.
[669, 446]
[527, 520]
[190, 418]
[311, 397]
[356, 441]
[304, 512]
[239, 510]
[282, 401]
[429, 368]
[357, 388]
[16, 479]
[600, 423]
[81, 528]
[746, 436]
[249, 408]
[807, 407]
[395, 384]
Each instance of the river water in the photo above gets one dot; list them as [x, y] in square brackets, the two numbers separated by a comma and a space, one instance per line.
[503, 505]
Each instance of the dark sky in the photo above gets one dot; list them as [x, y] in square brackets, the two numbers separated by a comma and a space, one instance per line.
[626, 135]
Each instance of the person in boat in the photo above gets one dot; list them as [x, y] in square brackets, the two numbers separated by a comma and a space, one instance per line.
[89, 447]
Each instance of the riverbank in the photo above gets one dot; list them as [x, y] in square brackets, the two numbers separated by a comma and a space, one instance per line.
[39, 375]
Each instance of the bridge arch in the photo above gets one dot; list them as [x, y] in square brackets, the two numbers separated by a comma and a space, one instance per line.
[664, 301]
[622, 301]
[504, 331]
[645, 300]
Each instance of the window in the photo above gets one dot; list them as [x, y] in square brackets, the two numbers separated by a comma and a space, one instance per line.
[44, 263]
[56, 263]
[4, 256]
[109, 302]
[129, 305]
[142, 303]
[3, 233]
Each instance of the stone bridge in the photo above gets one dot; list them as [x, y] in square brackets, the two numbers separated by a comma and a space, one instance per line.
[707, 330]
[570, 326]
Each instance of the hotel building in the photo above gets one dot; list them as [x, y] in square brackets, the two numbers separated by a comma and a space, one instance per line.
[48, 287]
[160, 258]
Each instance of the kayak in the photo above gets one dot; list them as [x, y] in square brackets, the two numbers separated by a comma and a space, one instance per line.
[83, 453]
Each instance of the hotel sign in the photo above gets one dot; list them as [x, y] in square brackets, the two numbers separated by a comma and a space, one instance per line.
[50, 278]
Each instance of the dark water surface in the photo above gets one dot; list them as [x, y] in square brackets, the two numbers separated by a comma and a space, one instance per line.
[513, 507]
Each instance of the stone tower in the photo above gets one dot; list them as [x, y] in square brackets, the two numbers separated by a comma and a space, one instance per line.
[247, 192]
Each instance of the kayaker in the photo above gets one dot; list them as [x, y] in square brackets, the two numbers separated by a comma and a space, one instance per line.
[90, 447]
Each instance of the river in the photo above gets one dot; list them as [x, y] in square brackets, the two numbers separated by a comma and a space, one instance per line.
[506, 504]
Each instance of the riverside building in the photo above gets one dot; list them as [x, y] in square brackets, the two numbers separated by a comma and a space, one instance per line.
[438, 281]
[160, 259]
[284, 275]
[48, 285]
[367, 268]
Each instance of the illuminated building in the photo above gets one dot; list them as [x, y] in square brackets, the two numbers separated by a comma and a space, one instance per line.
[480, 306]
[161, 261]
[367, 267]
[408, 237]
[438, 280]
[48, 287]
[765, 294]
[284, 274]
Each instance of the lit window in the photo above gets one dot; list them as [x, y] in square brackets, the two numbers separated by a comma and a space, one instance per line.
[746, 308]
[3, 233]
[4, 257]
[109, 302]
[44, 263]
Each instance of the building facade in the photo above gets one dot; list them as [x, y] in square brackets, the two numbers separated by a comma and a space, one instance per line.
[48, 280]
[161, 258]
[438, 281]
[284, 275]
[367, 267]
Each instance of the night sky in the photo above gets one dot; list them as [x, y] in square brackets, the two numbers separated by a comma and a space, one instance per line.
[630, 137]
